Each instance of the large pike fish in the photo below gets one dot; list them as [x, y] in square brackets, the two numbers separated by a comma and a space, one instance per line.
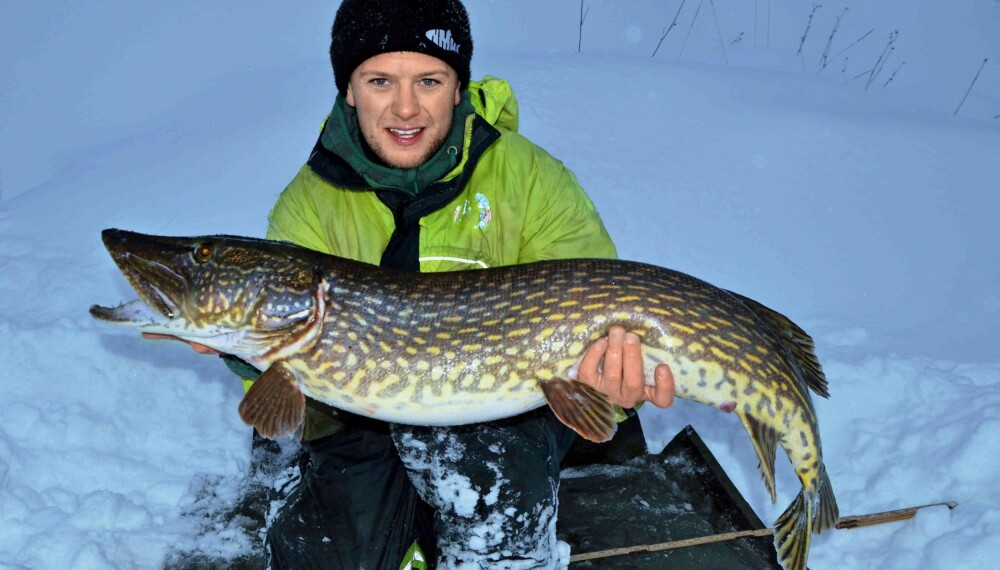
[473, 346]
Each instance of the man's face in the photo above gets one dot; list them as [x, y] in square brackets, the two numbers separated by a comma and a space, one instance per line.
[405, 102]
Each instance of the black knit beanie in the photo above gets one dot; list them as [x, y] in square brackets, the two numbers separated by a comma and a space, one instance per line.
[366, 28]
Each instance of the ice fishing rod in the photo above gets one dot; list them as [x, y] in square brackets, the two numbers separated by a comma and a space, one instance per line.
[848, 522]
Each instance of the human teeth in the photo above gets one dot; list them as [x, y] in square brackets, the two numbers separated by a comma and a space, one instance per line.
[406, 133]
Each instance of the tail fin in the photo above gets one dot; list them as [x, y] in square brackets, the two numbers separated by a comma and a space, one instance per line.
[829, 512]
[793, 532]
[812, 511]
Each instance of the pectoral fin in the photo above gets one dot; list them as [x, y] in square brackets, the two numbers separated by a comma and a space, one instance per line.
[581, 407]
[274, 404]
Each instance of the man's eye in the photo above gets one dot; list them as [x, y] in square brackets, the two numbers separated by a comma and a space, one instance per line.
[428, 82]
[379, 81]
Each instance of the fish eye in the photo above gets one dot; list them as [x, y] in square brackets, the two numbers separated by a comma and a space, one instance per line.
[203, 253]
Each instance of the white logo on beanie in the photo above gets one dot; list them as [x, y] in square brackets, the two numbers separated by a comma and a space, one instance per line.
[443, 39]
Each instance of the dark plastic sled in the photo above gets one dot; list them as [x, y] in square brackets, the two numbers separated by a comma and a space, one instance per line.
[617, 495]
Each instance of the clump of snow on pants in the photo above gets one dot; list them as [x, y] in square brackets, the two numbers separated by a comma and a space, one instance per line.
[482, 519]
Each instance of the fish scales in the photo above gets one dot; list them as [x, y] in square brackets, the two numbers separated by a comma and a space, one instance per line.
[472, 346]
[539, 319]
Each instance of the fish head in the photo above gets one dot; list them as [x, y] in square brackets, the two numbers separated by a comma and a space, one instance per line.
[234, 294]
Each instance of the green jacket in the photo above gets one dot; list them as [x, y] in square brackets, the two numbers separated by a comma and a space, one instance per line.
[501, 201]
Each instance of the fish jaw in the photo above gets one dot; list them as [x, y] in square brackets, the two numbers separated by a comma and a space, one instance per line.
[135, 314]
[138, 316]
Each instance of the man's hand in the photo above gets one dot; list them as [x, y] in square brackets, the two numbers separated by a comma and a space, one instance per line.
[199, 348]
[613, 365]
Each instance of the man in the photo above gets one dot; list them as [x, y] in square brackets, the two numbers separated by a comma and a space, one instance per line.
[419, 168]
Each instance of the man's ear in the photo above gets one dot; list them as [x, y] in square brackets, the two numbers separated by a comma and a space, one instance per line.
[458, 95]
[349, 97]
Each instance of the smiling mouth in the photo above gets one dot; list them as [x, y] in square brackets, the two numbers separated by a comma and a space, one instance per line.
[405, 136]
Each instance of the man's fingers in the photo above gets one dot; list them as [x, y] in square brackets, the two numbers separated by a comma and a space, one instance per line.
[591, 360]
[633, 380]
[662, 393]
[612, 370]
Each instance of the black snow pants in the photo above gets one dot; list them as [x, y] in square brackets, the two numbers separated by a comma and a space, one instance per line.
[484, 496]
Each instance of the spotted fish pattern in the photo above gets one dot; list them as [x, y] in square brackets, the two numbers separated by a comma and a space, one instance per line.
[472, 346]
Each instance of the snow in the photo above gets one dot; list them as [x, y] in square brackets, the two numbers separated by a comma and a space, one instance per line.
[867, 216]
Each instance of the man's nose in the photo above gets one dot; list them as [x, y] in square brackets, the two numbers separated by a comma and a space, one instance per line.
[405, 105]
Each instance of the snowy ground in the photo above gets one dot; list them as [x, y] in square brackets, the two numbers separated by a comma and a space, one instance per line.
[867, 216]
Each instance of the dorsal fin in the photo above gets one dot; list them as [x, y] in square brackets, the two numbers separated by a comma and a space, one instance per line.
[798, 343]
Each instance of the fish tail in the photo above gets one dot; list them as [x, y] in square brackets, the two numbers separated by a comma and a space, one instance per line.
[793, 532]
[828, 513]
[814, 510]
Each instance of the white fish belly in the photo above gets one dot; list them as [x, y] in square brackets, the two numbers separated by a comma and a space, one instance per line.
[455, 408]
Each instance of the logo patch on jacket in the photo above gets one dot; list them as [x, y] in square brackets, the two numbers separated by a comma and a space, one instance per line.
[482, 204]
[485, 214]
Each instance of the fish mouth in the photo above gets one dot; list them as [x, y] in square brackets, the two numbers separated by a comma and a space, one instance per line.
[160, 287]
[154, 305]
[146, 267]
[134, 313]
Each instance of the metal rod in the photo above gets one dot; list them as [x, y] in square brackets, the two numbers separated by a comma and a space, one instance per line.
[858, 521]
[674, 544]
[855, 521]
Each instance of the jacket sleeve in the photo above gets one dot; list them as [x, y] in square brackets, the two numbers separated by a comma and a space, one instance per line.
[294, 217]
[560, 220]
